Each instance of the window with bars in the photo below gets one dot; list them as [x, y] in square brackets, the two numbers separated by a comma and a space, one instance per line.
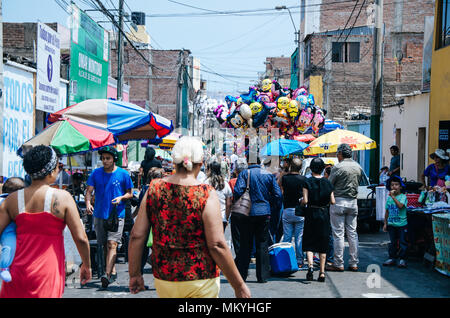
[345, 52]
[443, 27]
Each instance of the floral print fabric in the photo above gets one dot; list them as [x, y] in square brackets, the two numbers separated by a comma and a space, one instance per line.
[179, 251]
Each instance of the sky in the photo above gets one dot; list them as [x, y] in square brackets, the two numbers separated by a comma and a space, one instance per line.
[233, 45]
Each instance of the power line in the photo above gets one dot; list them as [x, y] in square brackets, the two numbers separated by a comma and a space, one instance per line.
[234, 12]
[242, 35]
[111, 17]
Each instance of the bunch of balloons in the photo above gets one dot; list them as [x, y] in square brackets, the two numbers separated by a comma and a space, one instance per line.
[272, 106]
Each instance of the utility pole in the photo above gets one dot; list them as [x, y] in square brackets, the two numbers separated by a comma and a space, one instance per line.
[377, 89]
[120, 54]
[180, 82]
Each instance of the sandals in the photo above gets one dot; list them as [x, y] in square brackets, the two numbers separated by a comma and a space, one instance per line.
[321, 278]
[310, 274]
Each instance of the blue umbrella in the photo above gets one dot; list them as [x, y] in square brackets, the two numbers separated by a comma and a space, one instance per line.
[283, 147]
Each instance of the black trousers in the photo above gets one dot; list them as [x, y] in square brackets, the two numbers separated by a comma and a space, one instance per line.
[244, 231]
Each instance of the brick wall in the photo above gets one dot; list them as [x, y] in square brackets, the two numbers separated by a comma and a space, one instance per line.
[279, 67]
[19, 39]
[162, 79]
[348, 86]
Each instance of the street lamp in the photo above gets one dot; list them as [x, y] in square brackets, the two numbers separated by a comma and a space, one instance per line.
[297, 41]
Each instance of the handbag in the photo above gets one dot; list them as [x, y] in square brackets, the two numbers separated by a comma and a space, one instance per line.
[300, 210]
[111, 224]
[244, 203]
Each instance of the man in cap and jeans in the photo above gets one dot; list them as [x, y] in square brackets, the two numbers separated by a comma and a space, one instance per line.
[345, 178]
[112, 187]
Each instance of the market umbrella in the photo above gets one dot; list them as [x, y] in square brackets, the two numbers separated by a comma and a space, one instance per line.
[329, 142]
[283, 147]
[68, 137]
[124, 120]
[304, 138]
[169, 141]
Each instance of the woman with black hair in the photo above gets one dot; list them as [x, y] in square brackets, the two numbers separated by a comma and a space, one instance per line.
[317, 196]
[146, 164]
[218, 182]
[41, 214]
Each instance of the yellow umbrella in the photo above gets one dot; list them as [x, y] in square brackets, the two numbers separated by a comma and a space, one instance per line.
[169, 141]
[329, 142]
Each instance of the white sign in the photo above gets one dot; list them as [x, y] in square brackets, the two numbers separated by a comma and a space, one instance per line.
[18, 111]
[48, 66]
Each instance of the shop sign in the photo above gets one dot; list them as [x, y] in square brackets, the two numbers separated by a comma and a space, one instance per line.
[48, 68]
[18, 113]
[89, 58]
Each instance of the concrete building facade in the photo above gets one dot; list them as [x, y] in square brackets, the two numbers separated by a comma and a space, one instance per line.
[343, 58]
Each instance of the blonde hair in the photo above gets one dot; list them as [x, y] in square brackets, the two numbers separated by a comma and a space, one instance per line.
[187, 151]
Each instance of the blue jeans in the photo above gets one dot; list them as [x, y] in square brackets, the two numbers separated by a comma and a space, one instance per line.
[397, 235]
[293, 227]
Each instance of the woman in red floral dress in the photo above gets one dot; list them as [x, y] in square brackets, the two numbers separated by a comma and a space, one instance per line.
[189, 245]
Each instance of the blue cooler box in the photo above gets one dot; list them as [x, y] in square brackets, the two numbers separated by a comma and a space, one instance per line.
[282, 259]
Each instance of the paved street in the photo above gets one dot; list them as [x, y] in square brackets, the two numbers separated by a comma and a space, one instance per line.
[417, 280]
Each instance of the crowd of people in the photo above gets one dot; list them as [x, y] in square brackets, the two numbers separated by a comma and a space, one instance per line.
[182, 216]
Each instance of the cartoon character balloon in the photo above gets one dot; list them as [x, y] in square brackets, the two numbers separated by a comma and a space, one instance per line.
[305, 119]
[246, 112]
[283, 102]
[311, 100]
[266, 85]
[292, 109]
[302, 100]
[255, 107]
[318, 120]
[221, 113]
[235, 120]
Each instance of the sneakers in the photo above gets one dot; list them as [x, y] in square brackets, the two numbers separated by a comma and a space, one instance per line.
[333, 268]
[389, 262]
[353, 268]
[106, 281]
[402, 263]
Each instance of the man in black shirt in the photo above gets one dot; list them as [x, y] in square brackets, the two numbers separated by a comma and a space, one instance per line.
[148, 163]
[292, 185]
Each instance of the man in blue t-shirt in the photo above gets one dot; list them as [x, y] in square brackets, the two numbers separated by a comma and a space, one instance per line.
[112, 187]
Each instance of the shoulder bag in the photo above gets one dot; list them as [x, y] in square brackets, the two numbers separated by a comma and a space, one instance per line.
[243, 204]
[111, 224]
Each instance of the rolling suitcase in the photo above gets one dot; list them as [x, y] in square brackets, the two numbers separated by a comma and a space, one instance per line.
[282, 259]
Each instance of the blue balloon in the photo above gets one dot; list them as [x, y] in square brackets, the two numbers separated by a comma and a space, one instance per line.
[311, 100]
[8, 242]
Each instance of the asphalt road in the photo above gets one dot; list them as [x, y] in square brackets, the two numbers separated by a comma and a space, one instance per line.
[372, 281]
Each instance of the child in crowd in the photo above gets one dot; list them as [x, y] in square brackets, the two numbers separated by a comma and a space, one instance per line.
[8, 236]
[395, 221]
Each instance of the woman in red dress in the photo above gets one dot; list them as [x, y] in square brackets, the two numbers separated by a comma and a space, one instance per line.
[189, 246]
[41, 214]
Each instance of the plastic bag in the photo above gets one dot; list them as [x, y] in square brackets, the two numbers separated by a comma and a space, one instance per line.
[150, 239]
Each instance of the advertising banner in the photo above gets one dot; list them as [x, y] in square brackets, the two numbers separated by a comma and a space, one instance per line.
[89, 58]
[48, 66]
[18, 112]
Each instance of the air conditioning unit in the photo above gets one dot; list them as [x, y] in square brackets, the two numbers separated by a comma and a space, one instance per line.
[138, 18]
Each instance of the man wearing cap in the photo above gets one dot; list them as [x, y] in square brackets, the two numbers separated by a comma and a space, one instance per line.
[112, 187]
[345, 177]
[437, 171]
